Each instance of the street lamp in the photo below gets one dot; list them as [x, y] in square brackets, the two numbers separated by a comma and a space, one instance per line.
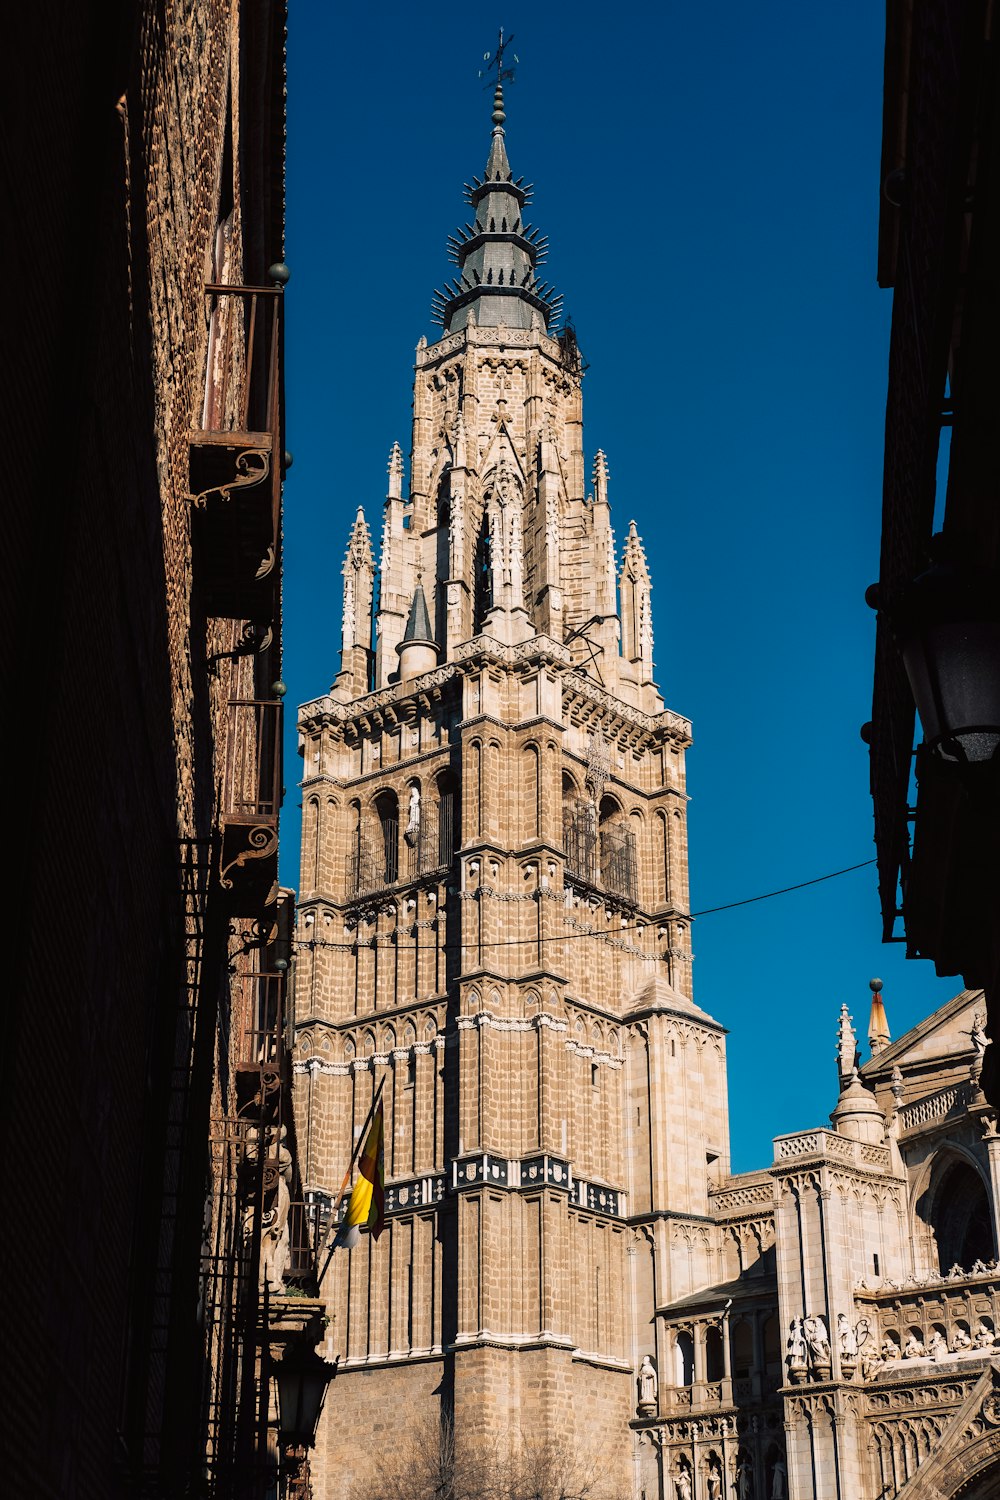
[947, 625]
[302, 1376]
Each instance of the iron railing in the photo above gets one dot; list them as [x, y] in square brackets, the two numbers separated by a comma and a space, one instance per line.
[600, 856]
[252, 783]
[261, 1027]
[380, 859]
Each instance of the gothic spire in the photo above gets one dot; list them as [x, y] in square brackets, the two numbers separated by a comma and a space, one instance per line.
[879, 1035]
[418, 624]
[498, 254]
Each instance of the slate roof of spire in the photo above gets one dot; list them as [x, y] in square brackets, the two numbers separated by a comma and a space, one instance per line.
[498, 254]
[418, 624]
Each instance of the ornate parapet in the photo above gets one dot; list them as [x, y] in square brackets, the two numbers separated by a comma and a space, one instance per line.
[930, 1326]
[792, 1152]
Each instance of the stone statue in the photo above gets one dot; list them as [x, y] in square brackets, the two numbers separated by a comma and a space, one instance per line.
[846, 1338]
[984, 1336]
[816, 1338]
[890, 1349]
[936, 1347]
[682, 1484]
[714, 1481]
[274, 1245]
[914, 1348]
[412, 831]
[744, 1479]
[961, 1339]
[779, 1480]
[648, 1385]
[796, 1344]
[978, 1035]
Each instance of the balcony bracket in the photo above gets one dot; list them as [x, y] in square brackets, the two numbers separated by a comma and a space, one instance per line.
[252, 467]
[251, 841]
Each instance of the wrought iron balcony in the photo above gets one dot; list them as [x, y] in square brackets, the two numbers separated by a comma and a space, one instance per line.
[249, 803]
[600, 856]
[381, 860]
[236, 455]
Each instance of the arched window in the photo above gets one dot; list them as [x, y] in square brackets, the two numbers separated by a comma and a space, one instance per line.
[449, 817]
[483, 581]
[442, 565]
[742, 1350]
[387, 812]
[714, 1365]
[617, 851]
[531, 791]
[663, 850]
[683, 1358]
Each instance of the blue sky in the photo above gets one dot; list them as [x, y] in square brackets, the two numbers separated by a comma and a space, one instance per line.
[709, 180]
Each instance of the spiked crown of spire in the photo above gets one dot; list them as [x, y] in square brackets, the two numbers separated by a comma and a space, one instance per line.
[498, 254]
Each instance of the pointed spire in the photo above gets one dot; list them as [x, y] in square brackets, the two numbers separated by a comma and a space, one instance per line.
[600, 477]
[418, 623]
[356, 618]
[498, 254]
[847, 1048]
[395, 472]
[637, 615]
[878, 1027]
[359, 545]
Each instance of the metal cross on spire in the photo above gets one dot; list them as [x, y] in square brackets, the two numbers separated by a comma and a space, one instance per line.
[496, 60]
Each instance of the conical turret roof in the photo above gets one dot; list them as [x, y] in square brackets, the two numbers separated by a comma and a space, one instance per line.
[418, 624]
[498, 254]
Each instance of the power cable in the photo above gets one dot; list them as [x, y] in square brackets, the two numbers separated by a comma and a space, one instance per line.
[569, 937]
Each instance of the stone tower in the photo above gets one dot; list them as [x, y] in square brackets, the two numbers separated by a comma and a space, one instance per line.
[494, 914]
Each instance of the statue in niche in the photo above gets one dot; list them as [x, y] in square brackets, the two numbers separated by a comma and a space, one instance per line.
[682, 1483]
[411, 833]
[796, 1358]
[890, 1349]
[846, 1338]
[647, 1383]
[744, 1478]
[936, 1346]
[984, 1336]
[779, 1479]
[818, 1343]
[714, 1480]
[914, 1347]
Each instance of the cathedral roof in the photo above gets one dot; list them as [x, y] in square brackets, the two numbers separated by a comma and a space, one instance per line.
[498, 254]
[937, 1035]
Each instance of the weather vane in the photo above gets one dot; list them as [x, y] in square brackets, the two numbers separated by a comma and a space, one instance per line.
[496, 60]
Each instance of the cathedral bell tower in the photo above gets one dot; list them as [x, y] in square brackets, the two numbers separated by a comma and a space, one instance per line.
[494, 915]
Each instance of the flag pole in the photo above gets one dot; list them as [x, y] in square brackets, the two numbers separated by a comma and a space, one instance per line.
[362, 1137]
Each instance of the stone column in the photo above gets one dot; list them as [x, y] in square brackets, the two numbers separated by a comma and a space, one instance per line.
[993, 1150]
[727, 1359]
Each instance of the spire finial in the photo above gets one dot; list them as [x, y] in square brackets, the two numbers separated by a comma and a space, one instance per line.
[496, 60]
[879, 1036]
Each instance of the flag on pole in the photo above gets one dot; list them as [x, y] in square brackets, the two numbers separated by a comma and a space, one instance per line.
[367, 1200]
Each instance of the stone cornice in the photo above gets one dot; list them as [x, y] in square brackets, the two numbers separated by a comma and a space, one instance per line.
[579, 690]
[488, 336]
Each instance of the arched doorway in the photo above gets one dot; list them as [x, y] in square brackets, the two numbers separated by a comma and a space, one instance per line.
[955, 1215]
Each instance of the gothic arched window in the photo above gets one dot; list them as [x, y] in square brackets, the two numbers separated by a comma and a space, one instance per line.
[483, 581]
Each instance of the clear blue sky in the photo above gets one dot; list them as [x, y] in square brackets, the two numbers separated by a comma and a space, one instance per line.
[709, 179]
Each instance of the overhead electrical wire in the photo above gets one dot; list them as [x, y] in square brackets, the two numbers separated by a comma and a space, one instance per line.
[569, 937]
